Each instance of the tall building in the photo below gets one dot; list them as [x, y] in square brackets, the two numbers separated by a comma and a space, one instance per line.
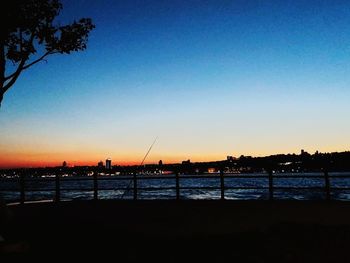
[108, 163]
[64, 164]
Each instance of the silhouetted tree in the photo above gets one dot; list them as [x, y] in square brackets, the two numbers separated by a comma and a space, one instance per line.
[28, 35]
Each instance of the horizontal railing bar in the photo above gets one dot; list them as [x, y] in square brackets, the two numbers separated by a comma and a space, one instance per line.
[298, 177]
[125, 188]
[53, 190]
[184, 188]
[155, 177]
[74, 179]
[115, 189]
[122, 177]
[199, 177]
[31, 179]
[225, 176]
[200, 188]
[154, 188]
[285, 188]
[116, 178]
[299, 188]
[246, 188]
[246, 176]
[41, 190]
[76, 189]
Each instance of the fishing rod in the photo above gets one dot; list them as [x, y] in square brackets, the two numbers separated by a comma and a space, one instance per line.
[143, 160]
[150, 148]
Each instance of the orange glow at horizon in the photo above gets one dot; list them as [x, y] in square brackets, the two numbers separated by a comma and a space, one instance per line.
[32, 163]
[27, 158]
[33, 160]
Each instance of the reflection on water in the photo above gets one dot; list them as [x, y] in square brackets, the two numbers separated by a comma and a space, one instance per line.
[71, 189]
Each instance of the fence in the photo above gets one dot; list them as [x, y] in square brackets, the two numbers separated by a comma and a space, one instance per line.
[222, 187]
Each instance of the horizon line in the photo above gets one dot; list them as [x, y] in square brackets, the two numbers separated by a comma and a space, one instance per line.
[134, 163]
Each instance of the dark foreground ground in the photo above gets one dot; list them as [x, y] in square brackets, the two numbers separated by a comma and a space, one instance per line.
[170, 231]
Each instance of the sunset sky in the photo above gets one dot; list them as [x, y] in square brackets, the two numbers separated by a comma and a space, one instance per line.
[209, 78]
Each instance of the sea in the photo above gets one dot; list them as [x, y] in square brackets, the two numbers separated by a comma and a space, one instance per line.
[293, 186]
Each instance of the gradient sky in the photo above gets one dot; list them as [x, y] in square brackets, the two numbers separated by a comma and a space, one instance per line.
[210, 78]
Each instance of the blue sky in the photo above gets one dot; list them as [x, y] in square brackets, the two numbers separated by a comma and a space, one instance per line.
[210, 78]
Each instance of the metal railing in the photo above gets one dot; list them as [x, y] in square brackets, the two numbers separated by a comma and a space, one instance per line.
[222, 187]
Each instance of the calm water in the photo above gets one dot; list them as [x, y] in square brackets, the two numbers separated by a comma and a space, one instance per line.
[73, 188]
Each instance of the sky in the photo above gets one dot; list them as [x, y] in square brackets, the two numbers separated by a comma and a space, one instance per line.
[209, 78]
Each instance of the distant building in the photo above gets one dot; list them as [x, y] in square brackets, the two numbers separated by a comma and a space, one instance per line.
[100, 164]
[108, 163]
[64, 164]
[230, 158]
[302, 152]
[186, 162]
[160, 163]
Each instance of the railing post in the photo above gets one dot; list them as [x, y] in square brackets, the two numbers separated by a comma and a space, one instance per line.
[22, 188]
[95, 186]
[135, 187]
[222, 184]
[58, 190]
[327, 185]
[177, 185]
[270, 184]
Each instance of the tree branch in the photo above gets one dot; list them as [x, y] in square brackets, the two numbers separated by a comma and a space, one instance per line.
[15, 76]
[30, 64]
[39, 59]
[19, 69]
